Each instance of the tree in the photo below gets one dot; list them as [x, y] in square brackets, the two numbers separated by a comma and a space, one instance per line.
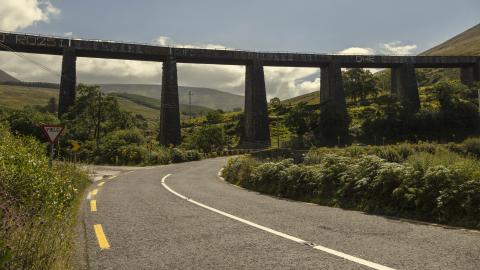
[52, 106]
[359, 83]
[279, 131]
[332, 125]
[95, 114]
[207, 139]
[215, 117]
[277, 105]
[300, 119]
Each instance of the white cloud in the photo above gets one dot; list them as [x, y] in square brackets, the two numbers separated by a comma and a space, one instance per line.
[286, 82]
[396, 48]
[357, 51]
[167, 41]
[19, 14]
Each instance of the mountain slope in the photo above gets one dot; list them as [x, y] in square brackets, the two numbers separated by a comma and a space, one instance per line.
[205, 97]
[465, 43]
[17, 97]
[154, 103]
[5, 77]
[310, 99]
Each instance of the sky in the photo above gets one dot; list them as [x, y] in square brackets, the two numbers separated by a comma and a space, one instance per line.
[323, 26]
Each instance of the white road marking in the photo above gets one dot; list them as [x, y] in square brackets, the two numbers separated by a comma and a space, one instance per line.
[284, 235]
[89, 196]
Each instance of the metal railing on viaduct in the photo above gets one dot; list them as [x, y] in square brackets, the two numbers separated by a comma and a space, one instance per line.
[404, 83]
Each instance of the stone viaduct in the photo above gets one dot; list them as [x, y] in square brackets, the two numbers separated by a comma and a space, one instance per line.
[256, 131]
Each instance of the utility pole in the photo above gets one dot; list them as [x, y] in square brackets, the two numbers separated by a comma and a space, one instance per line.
[478, 102]
[190, 104]
[278, 132]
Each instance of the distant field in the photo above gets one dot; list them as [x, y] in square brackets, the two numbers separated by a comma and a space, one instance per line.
[17, 97]
[310, 99]
[154, 103]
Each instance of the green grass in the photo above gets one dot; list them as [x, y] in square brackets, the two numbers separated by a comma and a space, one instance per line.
[135, 108]
[310, 98]
[154, 103]
[39, 206]
[17, 97]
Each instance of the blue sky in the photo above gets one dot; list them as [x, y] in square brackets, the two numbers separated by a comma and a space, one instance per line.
[369, 26]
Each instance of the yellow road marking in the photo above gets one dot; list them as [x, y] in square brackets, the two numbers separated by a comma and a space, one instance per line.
[101, 184]
[93, 205]
[102, 240]
[94, 192]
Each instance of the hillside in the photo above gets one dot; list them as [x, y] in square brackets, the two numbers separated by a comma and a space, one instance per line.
[465, 43]
[17, 97]
[204, 97]
[5, 77]
[310, 98]
[154, 103]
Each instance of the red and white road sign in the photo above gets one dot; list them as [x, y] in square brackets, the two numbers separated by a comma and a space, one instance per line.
[52, 132]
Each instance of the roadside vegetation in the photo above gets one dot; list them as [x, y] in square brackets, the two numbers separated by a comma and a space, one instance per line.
[425, 181]
[38, 205]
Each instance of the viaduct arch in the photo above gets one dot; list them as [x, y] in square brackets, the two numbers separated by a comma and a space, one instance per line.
[257, 133]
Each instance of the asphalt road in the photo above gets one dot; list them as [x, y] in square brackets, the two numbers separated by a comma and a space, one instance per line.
[194, 220]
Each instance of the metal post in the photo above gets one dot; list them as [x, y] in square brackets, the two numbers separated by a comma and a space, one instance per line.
[51, 156]
[478, 105]
[190, 103]
[478, 102]
[278, 132]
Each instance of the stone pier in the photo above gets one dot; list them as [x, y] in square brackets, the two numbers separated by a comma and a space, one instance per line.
[169, 133]
[257, 131]
[471, 74]
[404, 85]
[331, 86]
[68, 81]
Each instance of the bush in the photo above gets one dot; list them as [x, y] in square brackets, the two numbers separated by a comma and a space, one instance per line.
[472, 146]
[441, 187]
[179, 155]
[206, 139]
[37, 206]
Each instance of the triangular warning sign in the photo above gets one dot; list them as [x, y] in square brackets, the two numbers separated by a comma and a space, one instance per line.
[52, 132]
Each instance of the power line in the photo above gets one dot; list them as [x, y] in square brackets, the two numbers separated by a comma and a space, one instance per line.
[3, 45]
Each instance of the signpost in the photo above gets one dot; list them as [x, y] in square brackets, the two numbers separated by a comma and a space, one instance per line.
[75, 147]
[52, 132]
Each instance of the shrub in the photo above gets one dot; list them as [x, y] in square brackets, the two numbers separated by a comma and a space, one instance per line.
[472, 146]
[37, 206]
[207, 139]
[239, 170]
[180, 155]
[160, 155]
[192, 155]
[441, 186]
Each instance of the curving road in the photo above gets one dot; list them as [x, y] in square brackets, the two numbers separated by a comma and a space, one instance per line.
[195, 220]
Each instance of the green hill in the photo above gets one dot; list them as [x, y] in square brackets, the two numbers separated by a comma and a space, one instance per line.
[5, 77]
[204, 97]
[17, 97]
[310, 99]
[154, 103]
[465, 43]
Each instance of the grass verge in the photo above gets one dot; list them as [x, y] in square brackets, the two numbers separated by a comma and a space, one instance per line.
[38, 206]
